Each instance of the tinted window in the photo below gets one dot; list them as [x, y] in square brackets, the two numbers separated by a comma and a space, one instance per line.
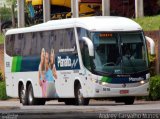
[9, 44]
[30, 44]
[83, 47]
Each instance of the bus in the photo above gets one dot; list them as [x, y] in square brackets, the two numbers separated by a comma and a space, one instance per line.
[77, 59]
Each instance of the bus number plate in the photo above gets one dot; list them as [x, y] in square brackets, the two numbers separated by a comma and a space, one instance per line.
[124, 91]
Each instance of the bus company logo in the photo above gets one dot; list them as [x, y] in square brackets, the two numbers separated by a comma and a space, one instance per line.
[136, 79]
[67, 62]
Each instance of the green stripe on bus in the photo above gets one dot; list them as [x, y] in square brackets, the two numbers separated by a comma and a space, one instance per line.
[106, 79]
[14, 63]
[19, 61]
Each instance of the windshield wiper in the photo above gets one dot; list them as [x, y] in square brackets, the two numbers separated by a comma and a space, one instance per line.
[103, 73]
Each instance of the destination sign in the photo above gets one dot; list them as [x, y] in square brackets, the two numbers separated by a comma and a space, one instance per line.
[105, 35]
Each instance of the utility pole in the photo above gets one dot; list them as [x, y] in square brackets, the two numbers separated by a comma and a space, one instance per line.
[105, 7]
[21, 21]
[75, 8]
[139, 8]
[46, 10]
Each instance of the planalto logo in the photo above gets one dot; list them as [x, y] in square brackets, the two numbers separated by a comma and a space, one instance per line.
[136, 79]
[67, 62]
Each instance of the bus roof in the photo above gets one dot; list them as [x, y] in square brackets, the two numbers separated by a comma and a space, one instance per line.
[101, 23]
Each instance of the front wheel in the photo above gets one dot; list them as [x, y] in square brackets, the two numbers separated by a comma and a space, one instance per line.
[80, 100]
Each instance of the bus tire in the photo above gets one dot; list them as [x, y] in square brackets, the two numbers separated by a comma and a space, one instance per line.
[129, 100]
[23, 95]
[79, 99]
[30, 96]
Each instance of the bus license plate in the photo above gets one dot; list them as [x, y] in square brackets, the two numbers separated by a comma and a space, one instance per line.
[124, 91]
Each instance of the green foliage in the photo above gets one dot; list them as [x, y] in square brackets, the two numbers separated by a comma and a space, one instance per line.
[1, 38]
[154, 91]
[3, 95]
[152, 59]
[5, 14]
[149, 23]
[11, 2]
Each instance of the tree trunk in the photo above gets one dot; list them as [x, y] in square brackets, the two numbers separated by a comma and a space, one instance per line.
[13, 16]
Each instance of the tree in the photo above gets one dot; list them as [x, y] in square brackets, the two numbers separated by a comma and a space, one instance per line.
[5, 14]
[12, 3]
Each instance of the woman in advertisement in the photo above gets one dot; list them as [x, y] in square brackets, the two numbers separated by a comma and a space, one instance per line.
[47, 74]
[42, 78]
[52, 64]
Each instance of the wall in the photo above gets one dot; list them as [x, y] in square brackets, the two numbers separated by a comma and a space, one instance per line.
[155, 35]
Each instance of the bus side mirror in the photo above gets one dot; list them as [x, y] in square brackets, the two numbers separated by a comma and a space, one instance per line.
[152, 45]
[90, 45]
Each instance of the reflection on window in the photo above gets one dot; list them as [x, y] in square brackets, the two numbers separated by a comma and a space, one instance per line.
[30, 44]
[106, 52]
[119, 52]
[83, 47]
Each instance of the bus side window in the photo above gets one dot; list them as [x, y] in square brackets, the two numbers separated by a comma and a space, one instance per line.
[17, 45]
[10, 44]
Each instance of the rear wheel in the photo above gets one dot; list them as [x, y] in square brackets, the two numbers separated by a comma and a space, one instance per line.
[126, 100]
[23, 95]
[79, 99]
[129, 100]
[30, 96]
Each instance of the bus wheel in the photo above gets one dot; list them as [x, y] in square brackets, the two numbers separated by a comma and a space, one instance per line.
[23, 95]
[129, 100]
[80, 100]
[31, 99]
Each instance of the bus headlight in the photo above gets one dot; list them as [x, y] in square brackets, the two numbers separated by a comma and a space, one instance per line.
[95, 81]
[142, 82]
[104, 83]
[99, 82]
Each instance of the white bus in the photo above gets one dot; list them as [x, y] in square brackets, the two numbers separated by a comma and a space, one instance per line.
[75, 60]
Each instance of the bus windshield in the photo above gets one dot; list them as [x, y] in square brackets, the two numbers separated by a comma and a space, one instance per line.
[119, 53]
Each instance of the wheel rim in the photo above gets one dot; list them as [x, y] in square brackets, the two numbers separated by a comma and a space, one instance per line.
[80, 97]
[22, 95]
[30, 96]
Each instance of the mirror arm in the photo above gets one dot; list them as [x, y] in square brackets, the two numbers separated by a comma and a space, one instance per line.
[90, 45]
[152, 45]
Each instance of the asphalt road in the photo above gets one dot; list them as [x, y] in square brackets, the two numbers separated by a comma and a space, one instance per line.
[12, 109]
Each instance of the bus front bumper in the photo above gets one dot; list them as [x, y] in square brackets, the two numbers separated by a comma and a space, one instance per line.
[104, 92]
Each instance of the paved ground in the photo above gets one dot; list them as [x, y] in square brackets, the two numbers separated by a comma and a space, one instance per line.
[12, 109]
